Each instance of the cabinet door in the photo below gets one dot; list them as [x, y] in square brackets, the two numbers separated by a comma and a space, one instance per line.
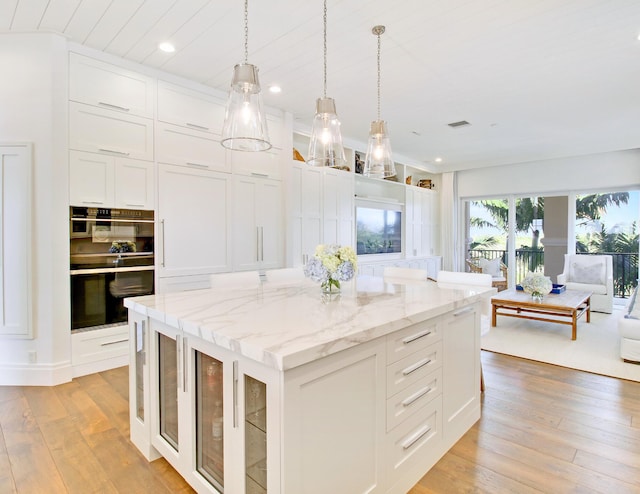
[91, 179]
[169, 401]
[337, 207]
[189, 108]
[257, 232]
[461, 371]
[266, 164]
[236, 414]
[311, 209]
[99, 130]
[194, 221]
[133, 184]
[101, 84]
[181, 146]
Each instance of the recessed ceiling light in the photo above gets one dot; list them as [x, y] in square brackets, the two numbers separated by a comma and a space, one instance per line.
[275, 89]
[438, 159]
[167, 47]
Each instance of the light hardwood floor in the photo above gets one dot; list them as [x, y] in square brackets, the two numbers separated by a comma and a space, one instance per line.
[543, 429]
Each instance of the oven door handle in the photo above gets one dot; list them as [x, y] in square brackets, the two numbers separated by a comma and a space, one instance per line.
[128, 269]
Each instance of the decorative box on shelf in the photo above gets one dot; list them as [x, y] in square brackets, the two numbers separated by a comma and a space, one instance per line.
[556, 288]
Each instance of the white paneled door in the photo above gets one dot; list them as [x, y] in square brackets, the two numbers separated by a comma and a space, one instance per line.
[15, 241]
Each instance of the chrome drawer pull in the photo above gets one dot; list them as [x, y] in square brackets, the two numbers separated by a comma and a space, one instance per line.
[199, 165]
[416, 396]
[196, 126]
[416, 437]
[108, 105]
[416, 336]
[113, 151]
[107, 343]
[416, 366]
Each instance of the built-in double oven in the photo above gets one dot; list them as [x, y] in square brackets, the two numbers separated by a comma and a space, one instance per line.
[111, 258]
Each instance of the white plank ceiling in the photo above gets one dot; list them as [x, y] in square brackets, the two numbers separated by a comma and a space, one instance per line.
[536, 79]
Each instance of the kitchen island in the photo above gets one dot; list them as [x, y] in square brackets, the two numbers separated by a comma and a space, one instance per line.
[282, 389]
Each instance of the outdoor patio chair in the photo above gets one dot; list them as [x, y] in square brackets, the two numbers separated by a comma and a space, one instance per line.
[495, 267]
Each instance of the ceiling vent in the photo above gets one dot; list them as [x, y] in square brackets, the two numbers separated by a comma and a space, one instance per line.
[456, 125]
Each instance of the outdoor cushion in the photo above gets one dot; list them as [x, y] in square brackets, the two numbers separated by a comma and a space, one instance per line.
[588, 273]
[491, 267]
[586, 287]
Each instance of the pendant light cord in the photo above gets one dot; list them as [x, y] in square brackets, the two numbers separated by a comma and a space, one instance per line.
[325, 48]
[246, 31]
[378, 76]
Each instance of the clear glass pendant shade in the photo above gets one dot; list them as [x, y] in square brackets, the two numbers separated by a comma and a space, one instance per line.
[378, 162]
[325, 146]
[245, 123]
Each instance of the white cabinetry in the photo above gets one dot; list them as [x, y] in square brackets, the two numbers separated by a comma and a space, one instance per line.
[422, 213]
[212, 415]
[182, 146]
[265, 164]
[371, 418]
[188, 108]
[15, 241]
[99, 130]
[257, 223]
[337, 207]
[107, 181]
[305, 193]
[111, 87]
[461, 371]
[194, 214]
[321, 209]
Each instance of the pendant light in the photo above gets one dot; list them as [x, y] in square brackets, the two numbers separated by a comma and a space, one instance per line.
[378, 162]
[245, 123]
[325, 146]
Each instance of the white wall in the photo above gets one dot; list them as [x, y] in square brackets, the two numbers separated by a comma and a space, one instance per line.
[612, 172]
[33, 109]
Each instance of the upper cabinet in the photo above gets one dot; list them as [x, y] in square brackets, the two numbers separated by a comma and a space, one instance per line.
[98, 130]
[188, 108]
[108, 86]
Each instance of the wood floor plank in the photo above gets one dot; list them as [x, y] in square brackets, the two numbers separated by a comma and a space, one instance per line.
[81, 471]
[90, 418]
[32, 465]
[7, 484]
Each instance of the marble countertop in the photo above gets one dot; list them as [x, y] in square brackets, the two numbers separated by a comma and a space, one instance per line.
[287, 326]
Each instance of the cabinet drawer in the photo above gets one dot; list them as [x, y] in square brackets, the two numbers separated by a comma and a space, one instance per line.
[180, 146]
[411, 339]
[99, 344]
[413, 368]
[413, 398]
[416, 441]
[101, 84]
[106, 131]
[189, 108]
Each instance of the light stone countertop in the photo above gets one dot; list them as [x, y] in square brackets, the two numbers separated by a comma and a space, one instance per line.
[287, 326]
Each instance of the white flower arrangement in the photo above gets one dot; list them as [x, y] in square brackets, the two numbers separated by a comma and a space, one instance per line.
[537, 284]
[330, 265]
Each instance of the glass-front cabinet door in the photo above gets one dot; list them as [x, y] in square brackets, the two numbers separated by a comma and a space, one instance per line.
[210, 419]
[255, 435]
[169, 431]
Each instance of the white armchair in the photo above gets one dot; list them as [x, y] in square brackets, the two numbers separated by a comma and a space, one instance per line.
[590, 273]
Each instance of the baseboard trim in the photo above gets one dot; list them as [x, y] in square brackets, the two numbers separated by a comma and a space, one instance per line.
[100, 365]
[35, 374]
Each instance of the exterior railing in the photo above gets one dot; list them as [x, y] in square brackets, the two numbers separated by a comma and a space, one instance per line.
[625, 266]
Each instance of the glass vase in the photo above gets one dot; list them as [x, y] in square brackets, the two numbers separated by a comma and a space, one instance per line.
[537, 297]
[330, 286]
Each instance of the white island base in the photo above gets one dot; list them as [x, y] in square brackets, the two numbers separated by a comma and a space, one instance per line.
[280, 390]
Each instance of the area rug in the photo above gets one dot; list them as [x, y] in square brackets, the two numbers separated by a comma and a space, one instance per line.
[596, 349]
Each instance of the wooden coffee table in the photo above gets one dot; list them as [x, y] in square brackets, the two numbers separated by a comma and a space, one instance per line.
[566, 307]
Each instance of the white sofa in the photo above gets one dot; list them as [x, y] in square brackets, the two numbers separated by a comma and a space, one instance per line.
[629, 327]
[590, 273]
